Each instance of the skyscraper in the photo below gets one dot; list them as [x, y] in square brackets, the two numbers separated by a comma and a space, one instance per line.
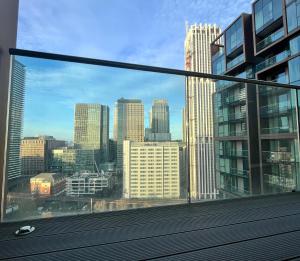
[200, 119]
[91, 129]
[128, 124]
[16, 106]
[159, 121]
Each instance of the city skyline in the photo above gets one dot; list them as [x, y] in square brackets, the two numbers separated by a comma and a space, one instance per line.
[64, 84]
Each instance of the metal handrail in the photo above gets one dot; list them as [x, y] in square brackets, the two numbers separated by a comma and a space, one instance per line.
[132, 66]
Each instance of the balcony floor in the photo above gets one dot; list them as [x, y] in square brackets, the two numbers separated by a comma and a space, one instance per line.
[261, 228]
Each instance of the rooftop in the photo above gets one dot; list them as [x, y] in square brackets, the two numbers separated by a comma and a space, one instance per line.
[257, 228]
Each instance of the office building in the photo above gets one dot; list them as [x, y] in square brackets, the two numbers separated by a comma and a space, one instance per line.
[128, 124]
[200, 119]
[91, 129]
[70, 160]
[36, 154]
[16, 107]
[152, 169]
[159, 122]
[256, 126]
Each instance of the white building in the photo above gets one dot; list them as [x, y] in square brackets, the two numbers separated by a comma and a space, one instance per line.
[200, 109]
[87, 183]
[152, 169]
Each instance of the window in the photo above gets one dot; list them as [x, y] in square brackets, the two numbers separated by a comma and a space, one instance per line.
[293, 14]
[234, 36]
[266, 11]
[218, 66]
[294, 71]
[295, 45]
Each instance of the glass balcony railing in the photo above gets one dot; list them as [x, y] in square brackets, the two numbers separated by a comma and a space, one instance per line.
[235, 153]
[277, 130]
[234, 172]
[275, 109]
[232, 116]
[236, 98]
[270, 39]
[281, 182]
[278, 157]
[239, 59]
[273, 60]
[88, 136]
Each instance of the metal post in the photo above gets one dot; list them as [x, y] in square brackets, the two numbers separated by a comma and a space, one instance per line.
[187, 134]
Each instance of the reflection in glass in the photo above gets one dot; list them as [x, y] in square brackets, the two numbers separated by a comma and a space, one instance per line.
[293, 14]
[92, 139]
[266, 11]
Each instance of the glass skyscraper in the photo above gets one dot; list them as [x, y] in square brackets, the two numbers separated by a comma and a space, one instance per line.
[159, 122]
[128, 124]
[91, 129]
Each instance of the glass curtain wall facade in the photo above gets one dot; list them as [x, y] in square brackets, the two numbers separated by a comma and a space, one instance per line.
[275, 58]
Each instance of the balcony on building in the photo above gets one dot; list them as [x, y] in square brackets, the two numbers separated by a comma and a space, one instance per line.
[268, 24]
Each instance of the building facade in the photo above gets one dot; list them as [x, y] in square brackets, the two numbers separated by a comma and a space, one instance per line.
[200, 111]
[47, 184]
[152, 169]
[263, 45]
[87, 183]
[91, 129]
[36, 154]
[159, 122]
[70, 160]
[128, 124]
[16, 107]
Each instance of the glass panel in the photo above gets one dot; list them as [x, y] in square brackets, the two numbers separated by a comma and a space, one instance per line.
[266, 11]
[294, 70]
[86, 138]
[270, 39]
[258, 14]
[272, 60]
[237, 60]
[279, 138]
[231, 146]
[218, 65]
[295, 45]
[293, 14]
[234, 36]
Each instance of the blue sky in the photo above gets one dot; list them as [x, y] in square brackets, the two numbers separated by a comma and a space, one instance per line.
[138, 31]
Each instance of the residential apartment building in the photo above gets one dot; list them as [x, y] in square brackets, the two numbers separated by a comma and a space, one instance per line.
[159, 122]
[16, 107]
[36, 154]
[128, 124]
[152, 169]
[200, 111]
[91, 129]
[256, 127]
